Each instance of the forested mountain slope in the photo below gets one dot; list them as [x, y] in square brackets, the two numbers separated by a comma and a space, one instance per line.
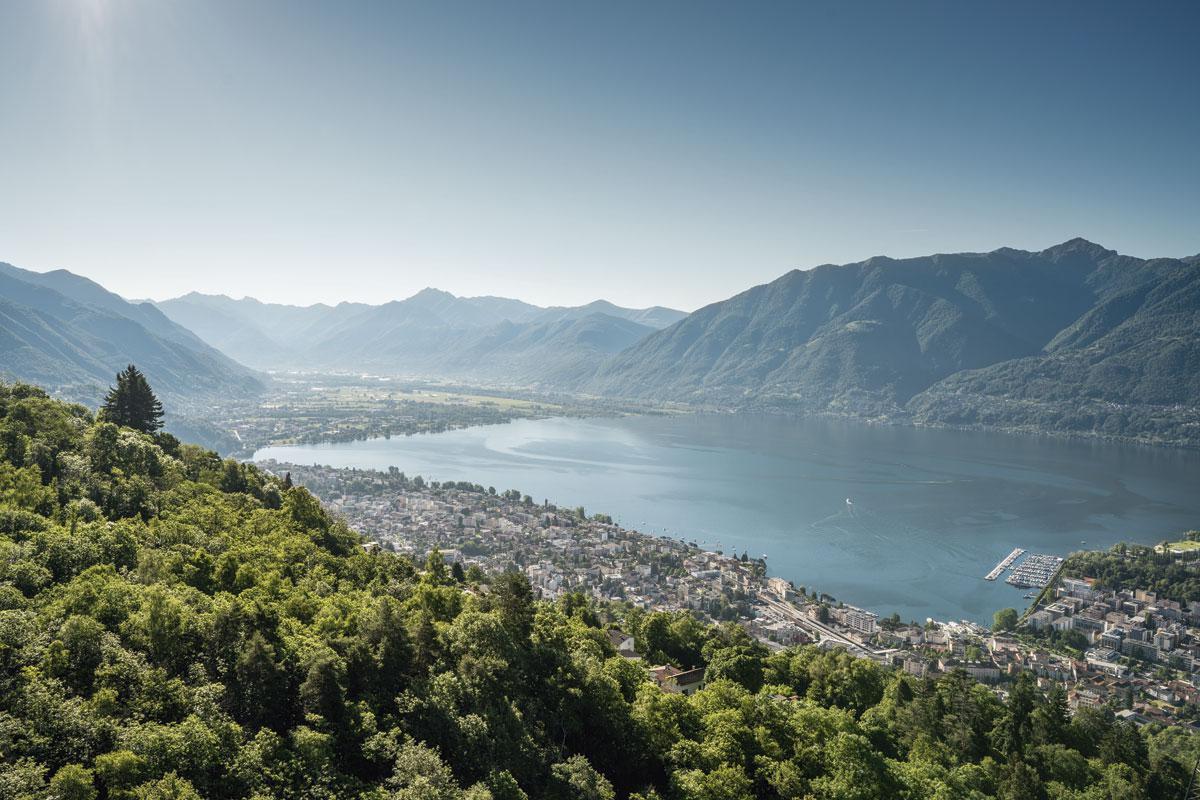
[176, 626]
[72, 335]
[900, 338]
[1129, 367]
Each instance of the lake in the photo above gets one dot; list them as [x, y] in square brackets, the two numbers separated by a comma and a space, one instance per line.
[930, 511]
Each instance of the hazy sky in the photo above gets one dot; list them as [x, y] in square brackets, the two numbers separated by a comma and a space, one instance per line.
[646, 152]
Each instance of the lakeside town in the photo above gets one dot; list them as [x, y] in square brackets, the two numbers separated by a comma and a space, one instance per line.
[1131, 650]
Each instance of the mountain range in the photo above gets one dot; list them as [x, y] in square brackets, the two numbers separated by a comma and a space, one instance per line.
[1075, 338]
[72, 335]
[431, 334]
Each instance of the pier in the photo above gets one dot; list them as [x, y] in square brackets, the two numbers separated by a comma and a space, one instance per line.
[998, 570]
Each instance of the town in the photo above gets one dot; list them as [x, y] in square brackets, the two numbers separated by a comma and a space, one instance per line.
[1131, 650]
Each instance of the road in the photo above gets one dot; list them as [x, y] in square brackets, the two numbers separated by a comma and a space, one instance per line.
[811, 625]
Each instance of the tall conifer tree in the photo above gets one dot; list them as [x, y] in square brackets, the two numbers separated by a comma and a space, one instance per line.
[132, 403]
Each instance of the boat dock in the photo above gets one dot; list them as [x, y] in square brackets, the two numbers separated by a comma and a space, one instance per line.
[998, 570]
[1036, 571]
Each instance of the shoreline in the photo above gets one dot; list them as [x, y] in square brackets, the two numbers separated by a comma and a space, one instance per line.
[689, 542]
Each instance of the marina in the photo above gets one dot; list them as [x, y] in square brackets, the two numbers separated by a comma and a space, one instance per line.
[1035, 571]
[998, 570]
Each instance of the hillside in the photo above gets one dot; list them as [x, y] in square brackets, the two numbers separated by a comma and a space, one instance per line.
[1128, 367]
[946, 339]
[176, 626]
[72, 335]
[560, 351]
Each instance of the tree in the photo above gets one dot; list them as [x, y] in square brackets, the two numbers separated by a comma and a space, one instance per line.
[1005, 619]
[169, 787]
[505, 787]
[261, 685]
[1021, 782]
[854, 771]
[1052, 718]
[132, 403]
[1014, 731]
[321, 692]
[576, 779]
[119, 771]
[386, 637]
[723, 783]
[73, 782]
[514, 600]
[740, 664]
[420, 774]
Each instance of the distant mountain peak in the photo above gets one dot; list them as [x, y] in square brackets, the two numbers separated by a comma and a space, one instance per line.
[205, 296]
[601, 303]
[430, 293]
[1078, 245]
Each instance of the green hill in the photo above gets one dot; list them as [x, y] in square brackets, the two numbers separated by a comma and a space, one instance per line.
[177, 626]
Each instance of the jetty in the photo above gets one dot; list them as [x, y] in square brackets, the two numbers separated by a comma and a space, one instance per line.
[998, 570]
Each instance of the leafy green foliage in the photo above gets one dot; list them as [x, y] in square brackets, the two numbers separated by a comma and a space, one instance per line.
[1130, 567]
[1005, 619]
[174, 626]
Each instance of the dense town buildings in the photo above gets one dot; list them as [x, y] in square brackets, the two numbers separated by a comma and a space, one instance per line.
[1141, 653]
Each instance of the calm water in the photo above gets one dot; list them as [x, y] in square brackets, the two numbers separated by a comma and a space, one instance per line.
[932, 511]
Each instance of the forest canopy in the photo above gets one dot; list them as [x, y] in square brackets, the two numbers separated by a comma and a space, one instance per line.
[175, 625]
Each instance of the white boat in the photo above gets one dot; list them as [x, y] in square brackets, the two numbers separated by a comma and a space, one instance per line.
[849, 502]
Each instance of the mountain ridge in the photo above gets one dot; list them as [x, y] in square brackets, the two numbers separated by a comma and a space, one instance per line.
[409, 335]
[896, 338]
[1074, 338]
[71, 334]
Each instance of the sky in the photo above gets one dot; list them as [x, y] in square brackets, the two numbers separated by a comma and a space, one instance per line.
[646, 152]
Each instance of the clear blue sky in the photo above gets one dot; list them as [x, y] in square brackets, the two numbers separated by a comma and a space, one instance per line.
[646, 152]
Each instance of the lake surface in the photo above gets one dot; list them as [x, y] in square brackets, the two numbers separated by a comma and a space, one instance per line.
[931, 511]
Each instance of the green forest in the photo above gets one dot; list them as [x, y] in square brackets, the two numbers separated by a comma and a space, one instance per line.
[1131, 566]
[178, 626]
